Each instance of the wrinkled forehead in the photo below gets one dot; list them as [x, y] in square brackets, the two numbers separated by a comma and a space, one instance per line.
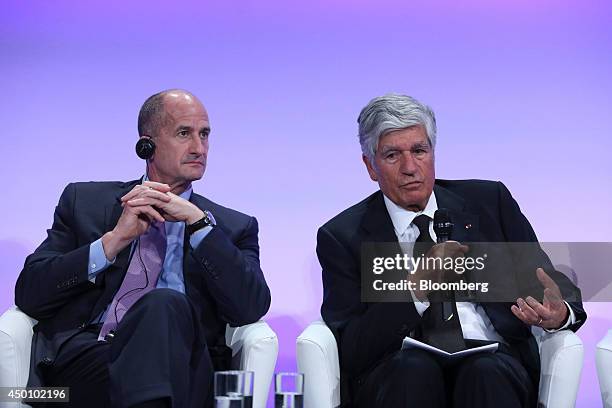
[406, 137]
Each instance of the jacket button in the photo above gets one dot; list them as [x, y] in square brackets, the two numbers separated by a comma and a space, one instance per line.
[46, 361]
[403, 329]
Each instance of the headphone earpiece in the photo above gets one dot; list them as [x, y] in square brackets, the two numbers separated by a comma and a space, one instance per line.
[145, 147]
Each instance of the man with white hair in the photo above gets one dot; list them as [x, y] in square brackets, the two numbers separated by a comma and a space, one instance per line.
[398, 137]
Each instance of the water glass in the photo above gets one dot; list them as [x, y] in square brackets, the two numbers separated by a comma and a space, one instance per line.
[235, 384]
[289, 390]
[224, 401]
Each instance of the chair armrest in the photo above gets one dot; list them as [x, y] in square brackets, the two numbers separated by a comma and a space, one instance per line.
[15, 347]
[561, 357]
[317, 358]
[254, 348]
[15, 350]
[603, 360]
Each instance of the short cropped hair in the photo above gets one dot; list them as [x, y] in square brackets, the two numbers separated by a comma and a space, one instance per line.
[151, 114]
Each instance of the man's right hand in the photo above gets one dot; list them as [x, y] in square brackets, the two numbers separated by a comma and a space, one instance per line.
[448, 249]
[134, 221]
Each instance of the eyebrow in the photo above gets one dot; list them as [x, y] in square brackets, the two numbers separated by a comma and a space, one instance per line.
[183, 127]
[417, 145]
[388, 148]
[189, 128]
[421, 145]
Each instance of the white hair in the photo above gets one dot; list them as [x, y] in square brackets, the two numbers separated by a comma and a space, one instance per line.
[391, 112]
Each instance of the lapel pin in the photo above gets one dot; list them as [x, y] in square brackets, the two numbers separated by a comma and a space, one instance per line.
[468, 226]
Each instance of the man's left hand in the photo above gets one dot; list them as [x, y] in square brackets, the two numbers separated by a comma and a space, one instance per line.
[552, 314]
[177, 209]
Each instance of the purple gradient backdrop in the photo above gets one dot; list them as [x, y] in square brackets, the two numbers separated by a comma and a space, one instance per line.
[521, 90]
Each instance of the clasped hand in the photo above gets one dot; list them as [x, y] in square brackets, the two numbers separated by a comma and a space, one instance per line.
[144, 204]
[155, 201]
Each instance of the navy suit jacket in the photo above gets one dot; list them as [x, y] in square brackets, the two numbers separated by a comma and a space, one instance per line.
[367, 333]
[223, 278]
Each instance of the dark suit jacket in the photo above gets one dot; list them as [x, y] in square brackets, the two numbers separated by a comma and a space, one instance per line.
[367, 333]
[222, 275]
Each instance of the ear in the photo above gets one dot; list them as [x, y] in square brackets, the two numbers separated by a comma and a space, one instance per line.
[370, 167]
[153, 155]
[145, 147]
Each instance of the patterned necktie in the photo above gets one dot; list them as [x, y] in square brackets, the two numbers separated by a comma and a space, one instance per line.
[436, 330]
[141, 276]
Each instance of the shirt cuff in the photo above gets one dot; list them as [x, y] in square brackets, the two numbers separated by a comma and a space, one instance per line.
[97, 260]
[421, 307]
[199, 235]
[571, 319]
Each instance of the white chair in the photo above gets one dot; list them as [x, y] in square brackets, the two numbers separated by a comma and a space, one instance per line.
[603, 360]
[254, 348]
[561, 356]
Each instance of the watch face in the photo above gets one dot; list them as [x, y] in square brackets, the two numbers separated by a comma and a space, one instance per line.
[210, 220]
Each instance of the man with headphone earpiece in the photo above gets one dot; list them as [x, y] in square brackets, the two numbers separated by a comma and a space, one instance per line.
[145, 147]
[136, 281]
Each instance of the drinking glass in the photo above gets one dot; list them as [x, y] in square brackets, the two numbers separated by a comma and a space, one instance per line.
[235, 384]
[223, 401]
[289, 390]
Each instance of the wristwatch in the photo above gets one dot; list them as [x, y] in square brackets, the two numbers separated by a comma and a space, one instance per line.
[207, 220]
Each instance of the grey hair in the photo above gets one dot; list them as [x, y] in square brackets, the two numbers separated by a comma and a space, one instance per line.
[391, 112]
[152, 114]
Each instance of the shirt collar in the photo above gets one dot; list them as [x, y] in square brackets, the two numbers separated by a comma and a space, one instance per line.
[185, 194]
[402, 218]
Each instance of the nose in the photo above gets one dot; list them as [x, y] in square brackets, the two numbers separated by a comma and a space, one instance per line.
[198, 146]
[408, 165]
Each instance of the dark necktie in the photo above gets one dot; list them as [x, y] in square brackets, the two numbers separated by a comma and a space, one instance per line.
[141, 276]
[436, 330]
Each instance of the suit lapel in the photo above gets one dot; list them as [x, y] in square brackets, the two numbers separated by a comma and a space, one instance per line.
[114, 210]
[113, 213]
[376, 221]
[111, 278]
[465, 223]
